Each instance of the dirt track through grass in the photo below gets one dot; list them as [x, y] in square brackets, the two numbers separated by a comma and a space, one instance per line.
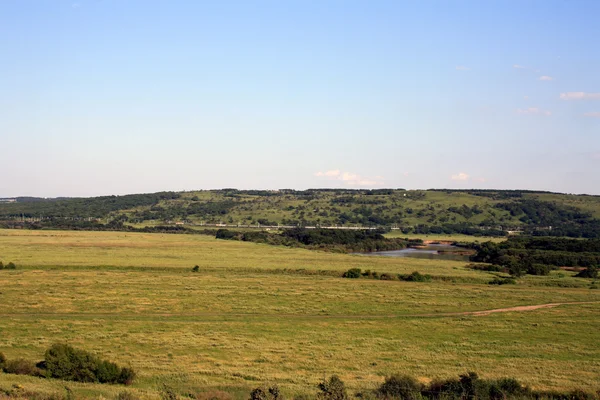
[289, 316]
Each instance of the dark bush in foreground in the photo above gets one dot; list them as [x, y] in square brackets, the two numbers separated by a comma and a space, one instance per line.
[470, 386]
[2, 361]
[400, 386]
[353, 273]
[10, 265]
[65, 362]
[332, 389]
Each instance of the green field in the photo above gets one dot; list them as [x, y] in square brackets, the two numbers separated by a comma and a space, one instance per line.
[258, 313]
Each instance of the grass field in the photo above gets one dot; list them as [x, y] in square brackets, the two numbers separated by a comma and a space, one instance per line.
[256, 313]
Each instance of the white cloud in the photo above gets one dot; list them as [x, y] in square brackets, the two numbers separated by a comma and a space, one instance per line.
[349, 178]
[595, 114]
[546, 78]
[461, 176]
[519, 66]
[462, 68]
[331, 173]
[526, 97]
[579, 96]
[533, 111]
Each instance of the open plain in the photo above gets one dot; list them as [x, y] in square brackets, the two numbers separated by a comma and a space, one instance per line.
[257, 313]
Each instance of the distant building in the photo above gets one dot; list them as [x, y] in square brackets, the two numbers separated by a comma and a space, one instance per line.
[8, 200]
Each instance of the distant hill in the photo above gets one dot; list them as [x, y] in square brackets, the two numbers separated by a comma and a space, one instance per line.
[412, 211]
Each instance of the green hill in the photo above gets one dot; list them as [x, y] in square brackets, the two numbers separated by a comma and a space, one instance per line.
[411, 211]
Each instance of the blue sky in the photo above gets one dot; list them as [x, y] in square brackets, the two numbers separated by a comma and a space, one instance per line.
[112, 97]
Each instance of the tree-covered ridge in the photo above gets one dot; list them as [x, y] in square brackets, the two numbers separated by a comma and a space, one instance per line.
[475, 212]
[93, 207]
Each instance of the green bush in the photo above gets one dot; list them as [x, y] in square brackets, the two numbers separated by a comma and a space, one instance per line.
[21, 367]
[502, 281]
[62, 361]
[332, 389]
[352, 273]
[400, 386]
[2, 361]
[1, 265]
[11, 265]
[415, 277]
[196, 268]
[387, 277]
[539, 269]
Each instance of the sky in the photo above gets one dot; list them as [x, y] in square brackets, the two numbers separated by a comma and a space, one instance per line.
[103, 97]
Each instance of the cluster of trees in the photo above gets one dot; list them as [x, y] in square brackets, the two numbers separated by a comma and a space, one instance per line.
[62, 361]
[448, 229]
[323, 239]
[538, 256]
[545, 218]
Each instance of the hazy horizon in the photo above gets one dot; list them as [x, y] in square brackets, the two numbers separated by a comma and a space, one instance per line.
[108, 97]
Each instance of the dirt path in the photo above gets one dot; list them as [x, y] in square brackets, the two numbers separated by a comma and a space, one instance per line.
[519, 308]
[298, 316]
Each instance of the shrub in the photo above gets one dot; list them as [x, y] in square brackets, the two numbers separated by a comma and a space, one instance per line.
[486, 267]
[589, 272]
[2, 360]
[266, 393]
[332, 389]
[400, 386]
[387, 277]
[353, 273]
[415, 277]
[21, 367]
[11, 265]
[539, 269]
[126, 376]
[502, 281]
[62, 361]
[369, 274]
[196, 268]
[1, 265]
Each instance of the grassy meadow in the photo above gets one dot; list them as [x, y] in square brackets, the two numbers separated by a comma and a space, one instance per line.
[258, 313]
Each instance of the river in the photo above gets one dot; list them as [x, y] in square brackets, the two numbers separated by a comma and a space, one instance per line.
[432, 252]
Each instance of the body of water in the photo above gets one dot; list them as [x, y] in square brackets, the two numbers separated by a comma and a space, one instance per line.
[433, 252]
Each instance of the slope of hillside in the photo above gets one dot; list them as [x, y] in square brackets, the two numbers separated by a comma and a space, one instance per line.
[418, 211]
